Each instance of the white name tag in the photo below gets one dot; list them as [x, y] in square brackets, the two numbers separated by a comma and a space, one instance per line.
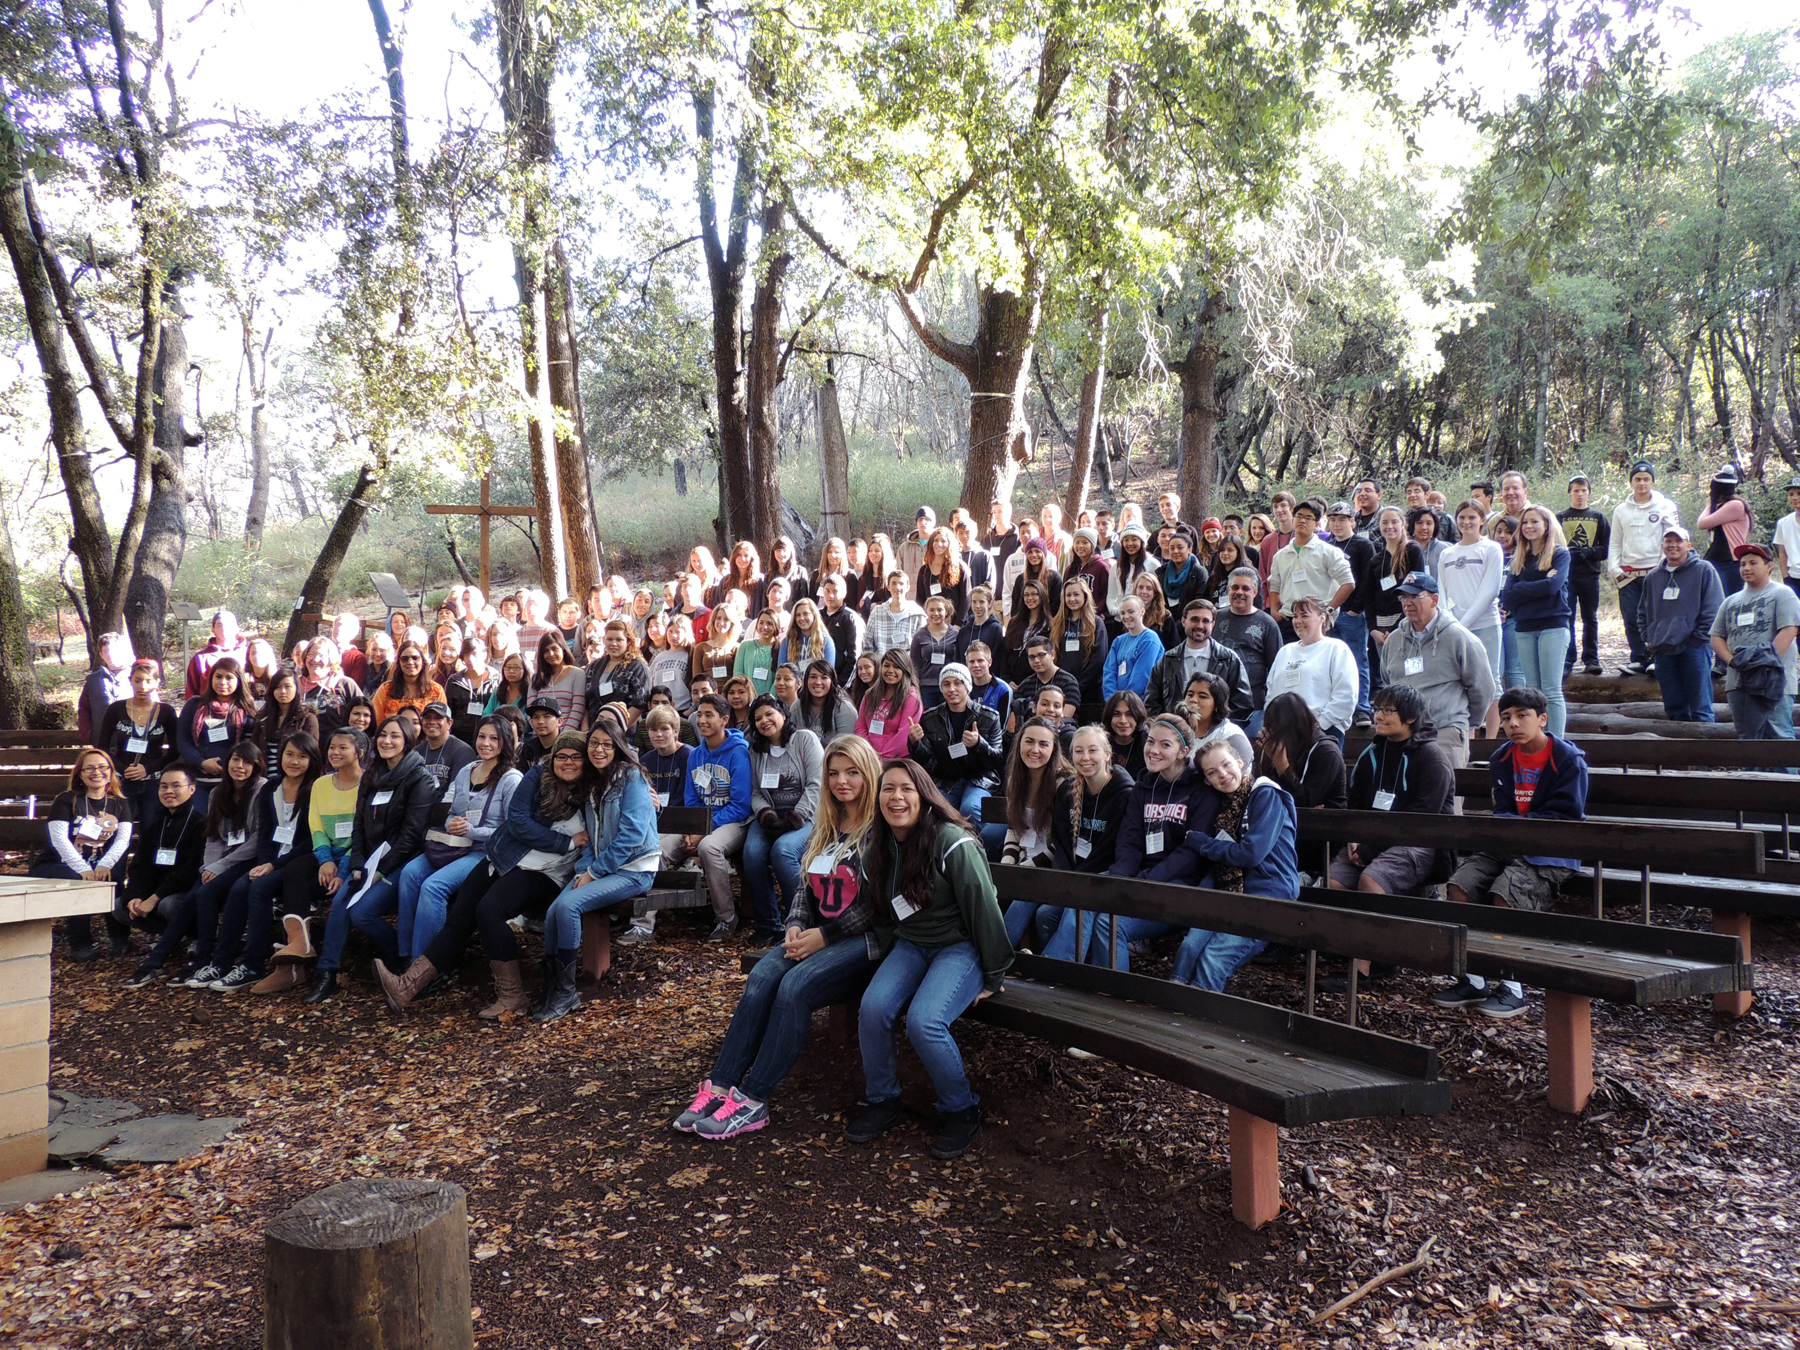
[1122, 670]
[759, 673]
[904, 909]
[823, 865]
[876, 726]
[1153, 841]
[87, 828]
[217, 732]
[233, 838]
[1388, 583]
[342, 829]
[165, 857]
[771, 780]
[957, 750]
[381, 798]
[1746, 619]
[936, 589]
[937, 658]
[604, 687]
[1384, 801]
[720, 672]
[136, 745]
[662, 800]
[1083, 847]
[1072, 644]
[1413, 665]
[284, 834]
[1225, 837]
[1671, 592]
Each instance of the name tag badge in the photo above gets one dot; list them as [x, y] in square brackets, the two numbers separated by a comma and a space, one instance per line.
[1747, 618]
[759, 673]
[342, 829]
[1072, 644]
[771, 780]
[662, 800]
[1671, 592]
[1384, 801]
[936, 589]
[233, 838]
[823, 865]
[604, 687]
[876, 726]
[136, 745]
[165, 857]
[1122, 670]
[381, 798]
[720, 672]
[957, 749]
[904, 909]
[1083, 847]
[217, 732]
[1413, 665]
[87, 828]
[1388, 583]
[1153, 841]
[1225, 837]
[937, 658]
[284, 834]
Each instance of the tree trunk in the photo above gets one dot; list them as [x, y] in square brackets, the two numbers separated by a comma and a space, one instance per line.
[574, 487]
[553, 566]
[1000, 363]
[62, 387]
[331, 557]
[725, 254]
[1200, 412]
[1087, 426]
[165, 525]
[764, 363]
[1540, 435]
[834, 460]
[21, 701]
[257, 513]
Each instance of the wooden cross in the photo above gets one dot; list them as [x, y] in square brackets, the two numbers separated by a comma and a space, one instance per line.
[485, 512]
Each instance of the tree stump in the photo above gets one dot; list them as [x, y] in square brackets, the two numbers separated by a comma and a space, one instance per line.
[378, 1264]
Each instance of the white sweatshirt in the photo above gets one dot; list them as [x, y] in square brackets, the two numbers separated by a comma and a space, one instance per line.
[1470, 578]
[1637, 533]
[1324, 674]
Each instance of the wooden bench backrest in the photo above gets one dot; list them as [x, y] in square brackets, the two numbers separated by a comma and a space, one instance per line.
[1424, 945]
[684, 820]
[1712, 852]
[1650, 752]
[1778, 794]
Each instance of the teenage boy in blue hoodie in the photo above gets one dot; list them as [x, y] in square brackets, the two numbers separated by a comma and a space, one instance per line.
[1536, 776]
[718, 777]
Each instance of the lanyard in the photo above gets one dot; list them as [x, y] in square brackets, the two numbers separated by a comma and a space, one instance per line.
[162, 837]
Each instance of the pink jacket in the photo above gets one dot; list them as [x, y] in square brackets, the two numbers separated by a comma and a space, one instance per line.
[893, 740]
[1733, 516]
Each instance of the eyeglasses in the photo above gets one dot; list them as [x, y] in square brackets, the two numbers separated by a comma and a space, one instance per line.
[567, 757]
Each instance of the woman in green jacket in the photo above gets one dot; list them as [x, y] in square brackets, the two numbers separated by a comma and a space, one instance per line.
[948, 950]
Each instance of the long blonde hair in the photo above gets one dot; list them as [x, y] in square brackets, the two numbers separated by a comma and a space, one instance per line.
[830, 819]
[1085, 626]
[1546, 550]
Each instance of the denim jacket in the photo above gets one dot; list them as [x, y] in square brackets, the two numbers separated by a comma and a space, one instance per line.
[525, 828]
[622, 830]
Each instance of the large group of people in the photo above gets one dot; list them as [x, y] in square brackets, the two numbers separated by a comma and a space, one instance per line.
[1149, 700]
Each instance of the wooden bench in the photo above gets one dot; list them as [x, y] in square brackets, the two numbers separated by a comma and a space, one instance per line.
[1647, 752]
[1574, 960]
[61, 738]
[1653, 848]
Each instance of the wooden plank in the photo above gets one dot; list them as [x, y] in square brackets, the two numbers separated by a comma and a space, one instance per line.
[1650, 752]
[1772, 794]
[1619, 884]
[62, 738]
[1438, 946]
[41, 757]
[1713, 851]
[28, 784]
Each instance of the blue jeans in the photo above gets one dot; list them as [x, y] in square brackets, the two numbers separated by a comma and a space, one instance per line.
[369, 914]
[1036, 921]
[197, 912]
[247, 927]
[761, 848]
[1758, 720]
[1353, 631]
[1095, 932]
[1208, 959]
[967, 797]
[1631, 595]
[773, 1021]
[1686, 680]
[562, 924]
[1541, 657]
[1512, 674]
[932, 986]
[425, 897]
[1253, 725]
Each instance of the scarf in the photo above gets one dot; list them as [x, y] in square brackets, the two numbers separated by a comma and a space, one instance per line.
[1230, 819]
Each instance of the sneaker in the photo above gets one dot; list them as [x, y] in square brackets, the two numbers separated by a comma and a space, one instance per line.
[961, 1129]
[1501, 1003]
[143, 975]
[238, 978]
[873, 1121]
[82, 956]
[1462, 994]
[722, 931]
[635, 936]
[706, 1101]
[1634, 668]
[1363, 721]
[1592, 668]
[733, 1116]
[280, 980]
[204, 977]
[191, 969]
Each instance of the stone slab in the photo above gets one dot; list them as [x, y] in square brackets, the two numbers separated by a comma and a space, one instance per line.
[31, 899]
[156, 1139]
[40, 1186]
[70, 1143]
[71, 1108]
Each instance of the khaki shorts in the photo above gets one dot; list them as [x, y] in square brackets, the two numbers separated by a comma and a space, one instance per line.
[1398, 871]
[1511, 882]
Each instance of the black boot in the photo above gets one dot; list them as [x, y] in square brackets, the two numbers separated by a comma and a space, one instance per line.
[961, 1129]
[324, 987]
[874, 1120]
[560, 998]
[547, 969]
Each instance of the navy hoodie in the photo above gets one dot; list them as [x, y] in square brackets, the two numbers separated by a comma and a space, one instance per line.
[1416, 771]
[1183, 811]
[1560, 793]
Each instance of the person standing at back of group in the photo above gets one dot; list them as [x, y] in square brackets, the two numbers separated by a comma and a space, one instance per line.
[1281, 506]
[1753, 634]
[1252, 634]
[1587, 535]
[1731, 521]
[1536, 596]
[1636, 546]
[1308, 566]
[1352, 624]
[1680, 597]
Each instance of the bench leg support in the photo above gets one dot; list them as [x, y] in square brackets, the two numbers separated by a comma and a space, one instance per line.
[1569, 1031]
[1255, 1172]
[1737, 1003]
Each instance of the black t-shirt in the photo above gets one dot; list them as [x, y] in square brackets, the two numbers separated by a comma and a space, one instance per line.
[73, 808]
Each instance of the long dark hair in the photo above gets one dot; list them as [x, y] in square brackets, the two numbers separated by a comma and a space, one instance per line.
[1289, 723]
[759, 743]
[307, 745]
[407, 739]
[509, 742]
[241, 698]
[625, 758]
[1221, 697]
[805, 705]
[230, 800]
[541, 676]
[1129, 700]
[273, 720]
[397, 681]
[556, 799]
[1034, 789]
[894, 702]
[918, 850]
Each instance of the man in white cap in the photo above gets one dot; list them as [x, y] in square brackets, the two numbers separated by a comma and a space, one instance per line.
[1638, 523]
[1681, 596]
[959, 744]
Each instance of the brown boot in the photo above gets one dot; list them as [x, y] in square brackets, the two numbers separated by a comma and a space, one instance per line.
[299, 941]
[403, 989]
[596, 944]
[280, 980]
[509, 991]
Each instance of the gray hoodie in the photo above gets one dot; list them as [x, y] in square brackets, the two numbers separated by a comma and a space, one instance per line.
[1676, 608]
[1453, 678]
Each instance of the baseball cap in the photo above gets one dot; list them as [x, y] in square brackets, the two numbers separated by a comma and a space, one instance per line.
[1340, 509]
[1643, 466]
[1760, 550]
[538, 705]
[1575, 478]
[1419, 583]
[925, 513]
[1793, 484]
[435, 710]
[1678, 530]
